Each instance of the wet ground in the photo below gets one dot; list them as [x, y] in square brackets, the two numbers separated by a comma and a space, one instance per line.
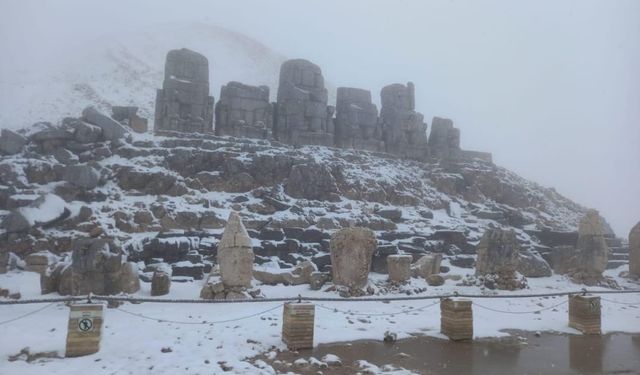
[520, 353]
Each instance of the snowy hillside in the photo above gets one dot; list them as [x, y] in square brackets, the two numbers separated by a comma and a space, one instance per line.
[126, 70]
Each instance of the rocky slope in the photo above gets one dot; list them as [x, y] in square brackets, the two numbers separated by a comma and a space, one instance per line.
[168, 196]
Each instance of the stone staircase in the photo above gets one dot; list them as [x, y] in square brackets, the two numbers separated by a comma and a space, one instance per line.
[618, 252]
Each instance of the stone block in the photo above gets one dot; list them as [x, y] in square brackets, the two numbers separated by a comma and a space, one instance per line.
[84, 329]
[399, 267]
[298, 321]
[456, 319]
[585, 314]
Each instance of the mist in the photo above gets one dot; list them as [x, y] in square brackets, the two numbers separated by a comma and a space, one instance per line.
[551, 88]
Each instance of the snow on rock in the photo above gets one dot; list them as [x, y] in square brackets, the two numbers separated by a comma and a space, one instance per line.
[48, 208]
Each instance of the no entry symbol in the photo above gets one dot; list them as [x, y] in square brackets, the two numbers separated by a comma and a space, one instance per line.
[85, 324]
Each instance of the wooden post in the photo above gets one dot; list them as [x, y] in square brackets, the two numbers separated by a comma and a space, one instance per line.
[297, 325]
[84, 329]
[585, 314]
[456, 319]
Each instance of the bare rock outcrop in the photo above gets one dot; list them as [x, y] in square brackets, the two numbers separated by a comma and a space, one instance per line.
[356, 123]
[444, 140]
[183, 104]
[312, 181]
[351, 253]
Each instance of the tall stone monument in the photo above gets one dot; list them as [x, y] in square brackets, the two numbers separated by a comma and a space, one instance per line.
[183, 104]
[351, 253]
[592, 253]
[404, 129]
[444, 140]
[302, 114]
[634, 250]
[498, 254]
[356, 124]
[235, 254]
[244, 111]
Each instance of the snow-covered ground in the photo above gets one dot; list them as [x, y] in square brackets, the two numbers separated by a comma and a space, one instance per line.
[132, 344]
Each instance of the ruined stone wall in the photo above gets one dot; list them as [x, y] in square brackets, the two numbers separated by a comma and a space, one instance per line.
[302, 114]
[244, 111]
[183, 104]
[356, 124]
[404, 129]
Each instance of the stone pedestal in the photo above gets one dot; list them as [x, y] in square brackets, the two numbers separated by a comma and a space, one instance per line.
[399, 267]
[297, 325]
[84, 329]
[456, 319]
[585, 314]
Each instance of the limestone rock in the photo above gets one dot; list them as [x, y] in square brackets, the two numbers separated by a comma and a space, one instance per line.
[404, 130]
[634, 250]
[82, 176]
[129, 280]
[300, 274]
[235, 254]
[303, 117]
[183, 104]
[444, 140]
[356, 124]
[435, 280]
[533, 265]
[15, 222]
[40, 261]
[399, 267]
[50, 278]
[86, 133]
[312, 181]
[11, 142]
[591, 251]
[351, 253]
[111, 129]
[160, 283]
[427, 265]
[498, 252]
[244, 111]
[318, 279]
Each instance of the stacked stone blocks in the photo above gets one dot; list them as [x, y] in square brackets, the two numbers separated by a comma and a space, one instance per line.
[456, 319]
[297, 325]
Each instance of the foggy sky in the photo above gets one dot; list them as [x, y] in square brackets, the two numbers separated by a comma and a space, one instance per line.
[551, 88]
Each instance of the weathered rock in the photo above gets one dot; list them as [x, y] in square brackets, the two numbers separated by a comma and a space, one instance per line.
[40, 261]
[160, 283]
[65, 156]
[129, 280]
[11, 142]
[356, 124]
[399, 267]
[129, 116]
[444, 140]
[300, 274]
[634, 250]
[15, 222]
[533, 265]
[82, 176]
[86, 133]
[351, 253]
[303, 117]
[318, 279]
[498, 252]
[405, 132]
[183, 104]
[435, 280]
[312, 181]
[187, 268]
[427, 265]
[244, 111]
[50, 278]
[235, 254]
[591, 251]
[212, 289]
[111, 129]
[393, 214]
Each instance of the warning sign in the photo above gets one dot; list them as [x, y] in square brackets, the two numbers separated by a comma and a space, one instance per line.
[85, 324]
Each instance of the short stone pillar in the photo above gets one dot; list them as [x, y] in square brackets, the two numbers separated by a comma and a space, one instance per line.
[456, 319]
[297, 325]
[399, 267]
[84, 329]
[585, 314]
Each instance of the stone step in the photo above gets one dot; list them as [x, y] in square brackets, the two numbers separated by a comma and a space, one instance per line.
[616, 263]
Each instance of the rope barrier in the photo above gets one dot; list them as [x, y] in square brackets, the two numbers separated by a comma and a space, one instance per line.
[27, 314]
[313, 299]
[203, 322]
[520, 312]
[621, 303]
[378, 314]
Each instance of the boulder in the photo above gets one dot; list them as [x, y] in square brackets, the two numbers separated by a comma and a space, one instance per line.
[111, 129]
[427, 265]
[435, 280]
[318, 279]
[634, 250]
[399, 267]
[15, 222]
[160, 283]
[533, 265]
[235, 254]
[40, 261]
[498, 253]
[82, 176]
[86, 133]
[312, 181]
[11, 142]
[300, 274]
[129, 280]
[50, 278]
[351, 253]
[393, 214]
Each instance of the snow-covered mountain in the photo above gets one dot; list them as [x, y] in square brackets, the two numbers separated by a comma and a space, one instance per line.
[126, 69]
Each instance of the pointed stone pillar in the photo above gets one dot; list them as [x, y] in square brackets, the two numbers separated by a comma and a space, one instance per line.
[235, 254]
